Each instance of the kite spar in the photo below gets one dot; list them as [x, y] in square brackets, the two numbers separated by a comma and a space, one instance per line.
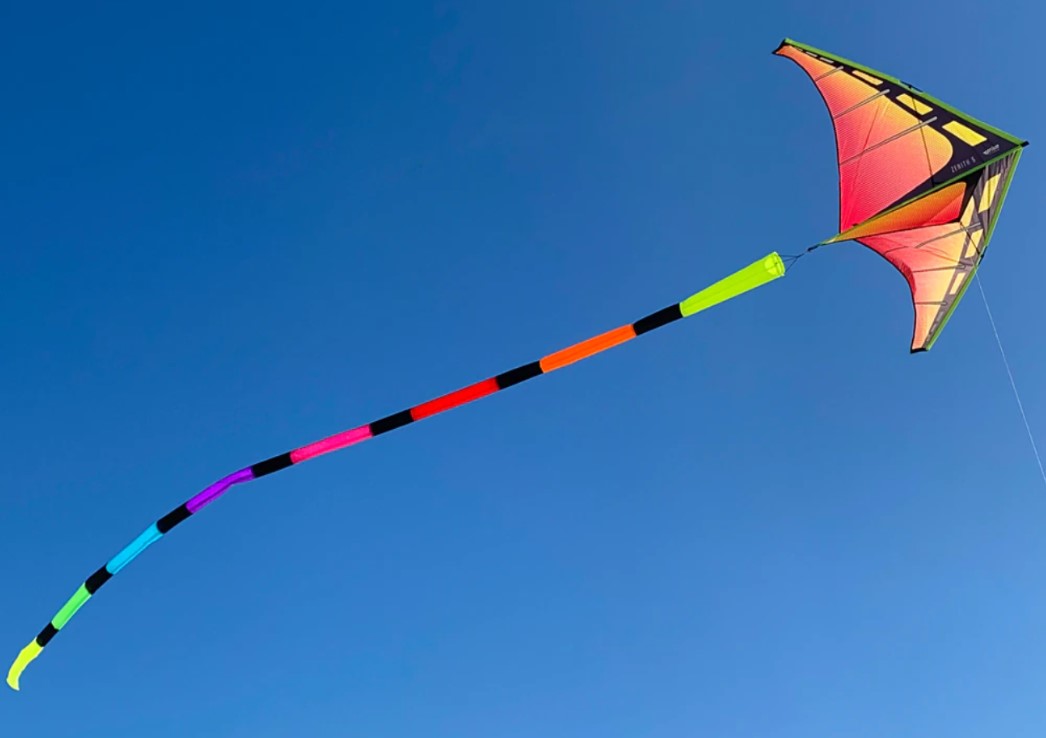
[920, 183]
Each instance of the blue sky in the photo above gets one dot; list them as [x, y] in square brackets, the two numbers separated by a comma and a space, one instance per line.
[232, 228]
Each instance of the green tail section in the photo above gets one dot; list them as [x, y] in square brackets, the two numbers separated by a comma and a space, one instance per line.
[767, 269]
[69, 608]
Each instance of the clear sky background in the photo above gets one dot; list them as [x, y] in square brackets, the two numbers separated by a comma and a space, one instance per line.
[232, 228]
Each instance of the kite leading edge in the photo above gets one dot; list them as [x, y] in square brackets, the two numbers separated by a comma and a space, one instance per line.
[755, 275]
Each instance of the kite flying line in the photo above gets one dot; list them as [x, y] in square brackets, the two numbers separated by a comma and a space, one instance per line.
[1013, 382]
[920, 183]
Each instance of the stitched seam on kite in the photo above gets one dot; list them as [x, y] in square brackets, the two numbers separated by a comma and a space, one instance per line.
[864, 151]
[828, 74]
[944, 268]
[860, 104]
[892, 138]
[926, 150]
[928, 241]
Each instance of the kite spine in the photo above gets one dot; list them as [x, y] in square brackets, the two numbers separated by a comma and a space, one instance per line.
[755, 275]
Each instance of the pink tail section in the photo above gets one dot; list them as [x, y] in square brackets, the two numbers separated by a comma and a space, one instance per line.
[331, 443]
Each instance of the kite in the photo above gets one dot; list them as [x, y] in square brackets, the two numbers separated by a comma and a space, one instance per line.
[920, 183]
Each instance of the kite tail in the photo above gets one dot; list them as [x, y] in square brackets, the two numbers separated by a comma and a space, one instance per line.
[755, 275]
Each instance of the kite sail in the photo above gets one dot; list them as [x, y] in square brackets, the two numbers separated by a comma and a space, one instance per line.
[755, 275]
[920, 183]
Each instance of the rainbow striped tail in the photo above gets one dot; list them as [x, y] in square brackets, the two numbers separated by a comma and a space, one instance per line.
[755, 275]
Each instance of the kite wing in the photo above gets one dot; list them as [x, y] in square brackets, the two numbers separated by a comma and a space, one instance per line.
[920, 183]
